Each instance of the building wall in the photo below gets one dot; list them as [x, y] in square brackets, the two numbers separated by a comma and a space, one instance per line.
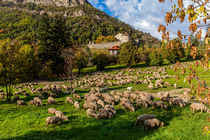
[104, 45]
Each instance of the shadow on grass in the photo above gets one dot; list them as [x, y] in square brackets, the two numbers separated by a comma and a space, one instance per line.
[119, 127]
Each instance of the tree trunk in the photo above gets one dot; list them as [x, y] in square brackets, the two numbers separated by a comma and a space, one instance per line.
[7, 92]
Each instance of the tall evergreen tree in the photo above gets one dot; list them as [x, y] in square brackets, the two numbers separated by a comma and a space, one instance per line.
[52, 34]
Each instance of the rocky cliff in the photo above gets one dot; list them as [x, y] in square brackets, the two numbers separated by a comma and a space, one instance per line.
[65, 3]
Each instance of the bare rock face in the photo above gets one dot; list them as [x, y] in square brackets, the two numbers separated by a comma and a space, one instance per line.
[65, 3]
[79, 13]
[123, 37]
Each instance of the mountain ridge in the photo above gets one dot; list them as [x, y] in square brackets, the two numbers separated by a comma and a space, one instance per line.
[85, 21]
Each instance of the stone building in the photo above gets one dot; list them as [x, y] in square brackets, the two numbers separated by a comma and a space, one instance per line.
[114, 50]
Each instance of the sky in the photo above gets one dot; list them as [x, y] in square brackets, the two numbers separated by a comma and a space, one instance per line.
[144, 15]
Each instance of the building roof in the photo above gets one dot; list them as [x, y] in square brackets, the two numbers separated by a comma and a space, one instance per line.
[115, 48]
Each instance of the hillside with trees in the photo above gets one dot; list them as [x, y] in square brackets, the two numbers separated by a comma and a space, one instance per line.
[84, 22]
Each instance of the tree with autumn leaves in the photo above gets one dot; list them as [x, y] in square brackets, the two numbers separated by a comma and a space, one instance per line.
[197, 14]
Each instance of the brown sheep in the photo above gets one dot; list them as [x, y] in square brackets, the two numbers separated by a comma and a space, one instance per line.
[101, 103]
[177, 101]
[159, 104]
[76, 105]
[90, 105]
[31, 102]
[128, 106]
[144, 103]
[53, 120]
[199, 107]
[140, 119]
[117, 98]
[76, 96]
[51, 110]
[69, 100]
[21, 102]
[51, 100]
[37, 101]
[103, 114]
[152, 123]
[91, 113]
[110, 108]
[2, 96]
[60, 114]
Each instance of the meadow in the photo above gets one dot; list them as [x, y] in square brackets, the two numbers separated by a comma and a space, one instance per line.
[28, 122]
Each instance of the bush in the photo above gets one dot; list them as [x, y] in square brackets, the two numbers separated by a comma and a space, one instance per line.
[128, 54]
[155, 58]
[100, 60]
[173, 51]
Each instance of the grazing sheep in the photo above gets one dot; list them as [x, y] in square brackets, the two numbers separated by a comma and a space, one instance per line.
[117, 98]
[177, 101]
[53, 120]
[37, 101]
[76, 105]
[51, 100]
[104, 114]
[51, 110]
[69, 100]
[76, 96]
[167, 84]
[159, 104]
[90, 105]
[31, 102]
[199, 107]
[21, 102]
[205, 101]
[163, 94]
[165, 99]
[126, 105]
[140, 119]
[152, 123]
[15, 98]
[144, 103]
[91, 113]
[61, 115]
[53, 95]
[101, 103]
[110, 108]
[1, 96]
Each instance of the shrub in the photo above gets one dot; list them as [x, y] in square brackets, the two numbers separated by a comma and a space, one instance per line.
[155, 58]
[100, 60]
[173, 51]
[128, 54]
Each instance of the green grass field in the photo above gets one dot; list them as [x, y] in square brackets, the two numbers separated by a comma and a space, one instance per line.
[28, 122]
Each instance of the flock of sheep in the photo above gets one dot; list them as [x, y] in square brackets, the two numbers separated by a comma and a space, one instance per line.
[101, 105]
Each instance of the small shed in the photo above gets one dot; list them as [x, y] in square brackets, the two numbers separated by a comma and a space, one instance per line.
[114, 50]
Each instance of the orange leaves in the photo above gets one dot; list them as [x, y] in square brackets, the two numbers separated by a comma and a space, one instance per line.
[179, 33]
[168, 18]
[162, 29]
[189, 40]
[193, 27]
[180, 3]
[199, 34]
[162, 1]
[194, 51]
[182, 16]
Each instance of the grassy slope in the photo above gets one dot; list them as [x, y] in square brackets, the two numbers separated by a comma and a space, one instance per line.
[29, 122]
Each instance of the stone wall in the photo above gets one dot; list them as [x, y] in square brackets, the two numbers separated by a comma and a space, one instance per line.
[104, 45]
